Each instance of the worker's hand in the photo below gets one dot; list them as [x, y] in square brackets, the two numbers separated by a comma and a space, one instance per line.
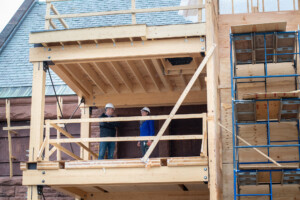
[138, 144]
[149, 143]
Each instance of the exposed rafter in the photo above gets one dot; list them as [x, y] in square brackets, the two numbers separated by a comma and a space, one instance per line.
[137, 75]
[93, 76]
[102, 69]
[120, 71]
[152, 73]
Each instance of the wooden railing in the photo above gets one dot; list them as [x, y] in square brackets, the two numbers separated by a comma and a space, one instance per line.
[133, 11]
[46, 150]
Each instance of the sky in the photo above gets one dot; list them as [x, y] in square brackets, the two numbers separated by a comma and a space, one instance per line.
[7, 10]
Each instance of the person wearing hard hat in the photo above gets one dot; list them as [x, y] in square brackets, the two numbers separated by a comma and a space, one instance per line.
[107, 129]
[146, 129]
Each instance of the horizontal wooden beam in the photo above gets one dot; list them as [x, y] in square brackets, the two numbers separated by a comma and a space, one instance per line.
[120, 12]
[81, 177]
[118, 32]
[124, 119]
[150, 99]
[15, 128]
[124, 139]
[122, 50]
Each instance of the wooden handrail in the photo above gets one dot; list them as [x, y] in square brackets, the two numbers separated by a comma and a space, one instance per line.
[122, 119]
[120, 12]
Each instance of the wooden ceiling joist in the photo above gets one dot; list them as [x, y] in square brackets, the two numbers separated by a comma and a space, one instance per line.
[93, 76]
[152, 73]
[120, 71]
[103, 69]
[137, 75]
[165, 80]
[67, 77]
[79, 78]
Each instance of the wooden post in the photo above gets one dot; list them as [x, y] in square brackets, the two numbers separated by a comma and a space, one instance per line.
[59, 115]
[7, 109]
[85, 132]
[133, 15]
[200, 3]
[164, 146]
[37, 119]
[204, 140]
[213, 105]
[37, 110]
[47, 21]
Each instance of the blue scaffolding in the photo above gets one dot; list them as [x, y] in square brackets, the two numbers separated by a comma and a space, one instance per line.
[263, 48]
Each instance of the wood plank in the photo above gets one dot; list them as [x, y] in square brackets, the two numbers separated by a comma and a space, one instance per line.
[77, 75]
[132, 11]
[119, 70]
[104, 71]
[62, 21]
[123, 139]
[123, 119]
[178, 103]
[66, 151]
[85, 132]
[256, 28]
[137, 75]
[117, 176]
[152, 73]
[124, 50]
[119, 32]
[66, 77]
[7, 114]
[160, 73]
[37, 110]
[70, 136]
[93, 76]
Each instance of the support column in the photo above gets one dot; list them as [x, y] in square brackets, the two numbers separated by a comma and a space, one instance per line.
[85, 131]
[213, 103]
[37, 110]
[37, 119]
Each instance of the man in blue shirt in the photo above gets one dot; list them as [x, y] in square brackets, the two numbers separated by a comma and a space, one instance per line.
[146, 129]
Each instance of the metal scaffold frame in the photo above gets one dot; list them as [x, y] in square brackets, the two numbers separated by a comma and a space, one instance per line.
[235, 80]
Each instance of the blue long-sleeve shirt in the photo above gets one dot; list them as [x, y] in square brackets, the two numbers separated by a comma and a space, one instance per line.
[147, 128]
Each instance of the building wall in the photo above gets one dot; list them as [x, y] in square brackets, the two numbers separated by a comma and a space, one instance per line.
[11, 188]
[254, 135]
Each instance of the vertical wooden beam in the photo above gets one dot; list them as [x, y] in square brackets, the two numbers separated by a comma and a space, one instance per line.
[278, 5]
[7, 112]
[37, 110]
[213, 105]
[47, 138]
[164, 146]
[32, 193]
[232, 5]
[85, 131]
[47, 21]
[37, 119]
[200, 3]
[133, 16]
[204, 140]
[59, 115]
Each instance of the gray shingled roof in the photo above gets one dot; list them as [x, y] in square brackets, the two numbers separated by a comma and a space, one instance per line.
[15, 68]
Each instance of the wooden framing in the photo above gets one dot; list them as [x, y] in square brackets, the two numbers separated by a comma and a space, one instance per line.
[123, 50]
[118, 32]
[213, 103]
[187, 174]
[9, 132]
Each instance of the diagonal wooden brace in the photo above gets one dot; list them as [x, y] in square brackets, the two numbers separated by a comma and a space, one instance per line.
[179, 102]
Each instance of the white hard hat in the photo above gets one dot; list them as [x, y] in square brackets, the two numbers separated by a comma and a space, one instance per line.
[146, 109]
[109, 105]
